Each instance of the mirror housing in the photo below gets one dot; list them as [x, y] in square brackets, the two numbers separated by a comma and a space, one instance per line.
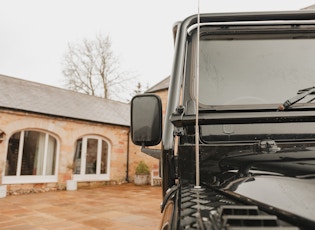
[146, 120]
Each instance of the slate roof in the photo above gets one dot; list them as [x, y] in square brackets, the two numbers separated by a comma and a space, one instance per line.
[311, 7]
[18, 94]
[162, 85]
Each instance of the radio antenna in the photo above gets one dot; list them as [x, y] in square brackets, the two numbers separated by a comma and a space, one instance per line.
[197, 103]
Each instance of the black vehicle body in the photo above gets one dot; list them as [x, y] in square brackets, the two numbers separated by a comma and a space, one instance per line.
[256, 138]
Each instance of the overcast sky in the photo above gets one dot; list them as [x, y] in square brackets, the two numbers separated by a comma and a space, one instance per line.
[35, 33]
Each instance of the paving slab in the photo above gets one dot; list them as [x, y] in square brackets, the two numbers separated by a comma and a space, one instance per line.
[109, 207]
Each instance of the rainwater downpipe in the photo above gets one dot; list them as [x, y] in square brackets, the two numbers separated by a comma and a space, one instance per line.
[127, 160]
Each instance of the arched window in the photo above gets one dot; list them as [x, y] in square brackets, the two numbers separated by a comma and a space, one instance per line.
[31, 157]
[91, 159]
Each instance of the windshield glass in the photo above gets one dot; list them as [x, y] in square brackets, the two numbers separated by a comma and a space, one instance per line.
[266, 70]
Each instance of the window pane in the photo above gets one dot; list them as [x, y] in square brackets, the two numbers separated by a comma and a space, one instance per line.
[33, 153]
[12, 155]
[247, 61]
[91, 156]
[51, 156]
[77, 157]
[104, 157]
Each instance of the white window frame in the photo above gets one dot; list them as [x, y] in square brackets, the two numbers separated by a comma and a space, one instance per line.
[98, 176]
[32, 179]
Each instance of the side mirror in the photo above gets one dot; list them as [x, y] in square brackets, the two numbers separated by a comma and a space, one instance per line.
[146, 120]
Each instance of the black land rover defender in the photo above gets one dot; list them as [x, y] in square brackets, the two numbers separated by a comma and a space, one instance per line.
[253, 164]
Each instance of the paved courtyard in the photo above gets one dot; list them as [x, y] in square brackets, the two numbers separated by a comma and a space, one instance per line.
[110, 207]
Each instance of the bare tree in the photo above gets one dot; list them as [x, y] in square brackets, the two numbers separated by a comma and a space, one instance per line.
[90, 67]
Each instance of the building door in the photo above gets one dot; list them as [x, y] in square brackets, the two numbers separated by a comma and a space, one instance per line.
[91, 160]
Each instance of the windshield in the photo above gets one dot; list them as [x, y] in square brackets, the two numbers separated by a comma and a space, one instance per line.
[269, 69]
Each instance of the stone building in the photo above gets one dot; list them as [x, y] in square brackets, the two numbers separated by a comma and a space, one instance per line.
[161, 89]
[49, 135]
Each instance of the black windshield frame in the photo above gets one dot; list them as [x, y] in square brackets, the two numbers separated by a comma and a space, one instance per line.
[245, 33]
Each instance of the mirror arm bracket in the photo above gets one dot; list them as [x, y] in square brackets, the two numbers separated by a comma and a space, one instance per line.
[155, 153]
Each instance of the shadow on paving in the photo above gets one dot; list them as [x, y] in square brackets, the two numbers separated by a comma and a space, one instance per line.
[110, 207]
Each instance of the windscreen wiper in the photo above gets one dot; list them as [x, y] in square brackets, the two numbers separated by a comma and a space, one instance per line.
[300, 95]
